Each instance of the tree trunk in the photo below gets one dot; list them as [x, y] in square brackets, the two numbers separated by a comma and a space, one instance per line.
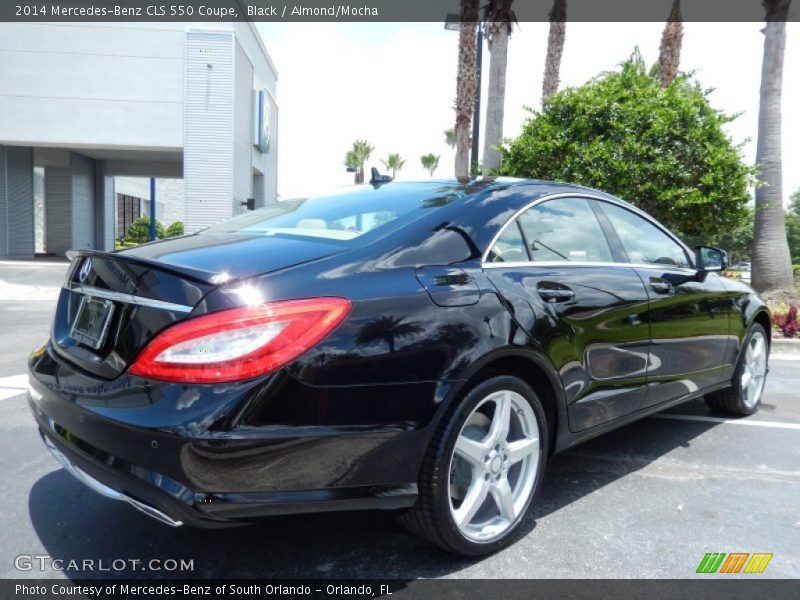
[669, 56]
[772, 267]
[466, 85]
[555, 48]
[495, 107]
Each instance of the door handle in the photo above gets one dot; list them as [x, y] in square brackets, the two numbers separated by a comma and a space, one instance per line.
[661, 287]
[556, 294]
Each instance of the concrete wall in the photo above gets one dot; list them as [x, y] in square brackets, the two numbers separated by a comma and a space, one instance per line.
[170, 192]
[3, 205]
[17, 221]
[79, 206]
[104, 207]
[242, 130]
[270, 161]
[58, 209]
[259, 191]
[265, 76]
[208, 149]
[98, 84]
[83, 200]
[99, 100]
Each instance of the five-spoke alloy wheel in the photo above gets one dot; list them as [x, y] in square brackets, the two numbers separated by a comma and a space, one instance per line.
[754, 373]
[484, 468]
[743, 397]
[494, 465]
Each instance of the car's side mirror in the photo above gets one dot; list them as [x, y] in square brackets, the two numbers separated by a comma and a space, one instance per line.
[710, 259]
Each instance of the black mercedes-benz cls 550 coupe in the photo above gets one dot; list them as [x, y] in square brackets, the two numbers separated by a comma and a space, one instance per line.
[421, 347]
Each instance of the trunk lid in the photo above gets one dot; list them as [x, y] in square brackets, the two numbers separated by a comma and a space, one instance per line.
[237, 255]
[130, 296]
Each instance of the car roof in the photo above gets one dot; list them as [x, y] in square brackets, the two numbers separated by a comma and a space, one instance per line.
[465, 191]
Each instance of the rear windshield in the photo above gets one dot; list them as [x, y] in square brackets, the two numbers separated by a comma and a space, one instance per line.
[340, 217]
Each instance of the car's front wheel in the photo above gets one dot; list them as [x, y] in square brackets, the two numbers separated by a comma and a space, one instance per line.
[743, 397]
[483, 469]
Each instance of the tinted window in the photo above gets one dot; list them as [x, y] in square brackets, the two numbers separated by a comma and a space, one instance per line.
[644, 242]
[340, 217]
[509, 247]
[565, 230]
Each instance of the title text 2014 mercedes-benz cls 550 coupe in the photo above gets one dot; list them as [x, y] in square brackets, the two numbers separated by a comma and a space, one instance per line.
[422, 347]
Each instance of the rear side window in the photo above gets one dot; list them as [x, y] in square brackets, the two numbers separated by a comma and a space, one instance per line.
[644, 242]
[509, 247]
[564, 230]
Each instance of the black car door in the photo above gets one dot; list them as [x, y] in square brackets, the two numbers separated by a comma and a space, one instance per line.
[689, 312]
[587, 311]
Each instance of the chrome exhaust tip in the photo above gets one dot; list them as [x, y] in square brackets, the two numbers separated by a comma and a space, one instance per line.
[104, 490]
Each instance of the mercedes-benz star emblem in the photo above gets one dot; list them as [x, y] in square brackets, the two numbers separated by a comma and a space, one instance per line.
[85, 268]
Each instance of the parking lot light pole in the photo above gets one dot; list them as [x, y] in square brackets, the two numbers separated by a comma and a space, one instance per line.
[152, 209]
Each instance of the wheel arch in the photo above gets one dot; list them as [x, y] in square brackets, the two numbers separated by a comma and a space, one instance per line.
[534, 369]
[762, 317]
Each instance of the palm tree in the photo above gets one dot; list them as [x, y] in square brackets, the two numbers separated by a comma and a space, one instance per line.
[386, 329]
[394, 162]
[430, 162]
[669, 56]
[351, 162]
[450, 137]
[555, 48]
[772, 266]
[357, 156]
[499, 23]
[466, 85]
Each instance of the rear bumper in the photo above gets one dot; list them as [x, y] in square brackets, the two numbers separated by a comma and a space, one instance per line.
[105, 490]
[172, 503]
[156, 448]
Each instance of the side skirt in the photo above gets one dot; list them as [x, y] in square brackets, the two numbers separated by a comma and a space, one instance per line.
[567, 438]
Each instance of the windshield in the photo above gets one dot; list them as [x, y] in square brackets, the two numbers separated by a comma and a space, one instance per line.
[341, 217]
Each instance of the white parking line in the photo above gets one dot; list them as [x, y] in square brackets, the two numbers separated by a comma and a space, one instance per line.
[752, 423]
[13, 386]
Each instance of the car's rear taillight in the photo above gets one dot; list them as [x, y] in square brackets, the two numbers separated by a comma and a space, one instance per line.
[240, 343]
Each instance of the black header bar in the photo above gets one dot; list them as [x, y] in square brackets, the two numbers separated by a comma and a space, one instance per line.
[705, 587]
[371, 11]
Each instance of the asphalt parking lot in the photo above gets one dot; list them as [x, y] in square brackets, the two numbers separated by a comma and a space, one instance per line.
[648, 500]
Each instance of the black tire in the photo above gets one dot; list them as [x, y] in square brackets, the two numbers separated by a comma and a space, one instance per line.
[731, 400]
[431, 518]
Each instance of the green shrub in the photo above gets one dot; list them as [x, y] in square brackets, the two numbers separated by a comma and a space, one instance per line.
[793, 235]
[663, 149]
[175, 229]
[139, 230]
[119, 244]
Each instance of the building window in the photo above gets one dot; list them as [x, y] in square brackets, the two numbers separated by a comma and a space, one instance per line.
[129, 208]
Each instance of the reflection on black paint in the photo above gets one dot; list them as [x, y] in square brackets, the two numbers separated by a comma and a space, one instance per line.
[386, 329]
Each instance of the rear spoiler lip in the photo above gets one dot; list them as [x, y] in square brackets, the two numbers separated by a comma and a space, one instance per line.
[198, 275]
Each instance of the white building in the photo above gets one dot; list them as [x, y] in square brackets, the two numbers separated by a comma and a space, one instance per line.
[83, 103]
